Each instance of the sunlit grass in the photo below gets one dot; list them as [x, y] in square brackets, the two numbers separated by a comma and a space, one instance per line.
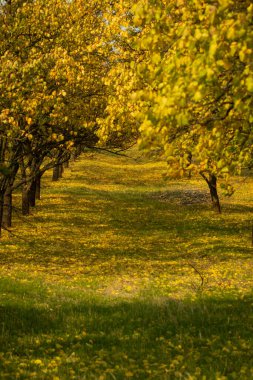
[120, 274]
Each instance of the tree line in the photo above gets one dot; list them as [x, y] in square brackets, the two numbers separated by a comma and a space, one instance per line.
[186, 83]
[52, 64]
[175, 75]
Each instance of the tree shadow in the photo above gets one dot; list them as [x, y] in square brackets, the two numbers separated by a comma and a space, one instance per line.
[134, 224]
[214, 335]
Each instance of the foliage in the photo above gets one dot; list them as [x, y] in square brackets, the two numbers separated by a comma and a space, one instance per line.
[50, 70]
[120, 120]
[100, 281]
[187, 79]
[52, 64]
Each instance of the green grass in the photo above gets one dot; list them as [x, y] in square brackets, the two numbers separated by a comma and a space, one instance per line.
[118, 274]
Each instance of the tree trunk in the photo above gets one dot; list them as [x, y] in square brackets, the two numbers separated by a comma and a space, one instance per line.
[7, 208]
[38, 186]
[56, 173]
[61, 170]
[214, 193]
[25, 200]
[7, 205]
[1, 210]
[211, 180]
[32, 194]
[66, 164]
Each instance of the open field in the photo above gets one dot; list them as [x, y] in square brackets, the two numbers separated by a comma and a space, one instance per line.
[119, 274]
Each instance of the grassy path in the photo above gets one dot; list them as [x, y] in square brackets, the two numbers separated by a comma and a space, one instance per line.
[118, 274]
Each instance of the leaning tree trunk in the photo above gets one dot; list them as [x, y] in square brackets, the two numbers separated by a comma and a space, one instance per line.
[212, 184]
[214, 193]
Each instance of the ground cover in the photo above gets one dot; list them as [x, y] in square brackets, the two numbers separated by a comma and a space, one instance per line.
[119, 274]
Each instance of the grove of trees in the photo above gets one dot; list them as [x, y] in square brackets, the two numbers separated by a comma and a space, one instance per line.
[186, 83]
[177, 75]
[51, 73]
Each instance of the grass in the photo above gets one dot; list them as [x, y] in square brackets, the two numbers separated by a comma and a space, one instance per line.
[118, 274]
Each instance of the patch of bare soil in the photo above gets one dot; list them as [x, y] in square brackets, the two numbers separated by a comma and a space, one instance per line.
[183, 197]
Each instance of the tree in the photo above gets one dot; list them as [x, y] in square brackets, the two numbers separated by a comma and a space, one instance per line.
[118, 126]
[51, 88]
[193, 69]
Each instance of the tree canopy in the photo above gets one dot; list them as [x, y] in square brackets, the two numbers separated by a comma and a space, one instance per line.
[177, 75]
[51, 73]
[187, 79]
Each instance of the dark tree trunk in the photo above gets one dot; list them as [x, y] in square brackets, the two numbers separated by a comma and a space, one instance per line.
[38, 186]
[1, 210]
[212, 184]
[56, 173]
[32, 194]
[66, 164]
[25, 200]
[214, 193]
[7, 208]
[61, 170]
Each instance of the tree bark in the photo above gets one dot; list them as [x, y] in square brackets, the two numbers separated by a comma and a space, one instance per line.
[61, 170]
[7, 201]
[1, 211]
[214, 193]
[32, 194]
[56, 173]
[38, 186]
[7, 208]
[25, 200]
[212, 184]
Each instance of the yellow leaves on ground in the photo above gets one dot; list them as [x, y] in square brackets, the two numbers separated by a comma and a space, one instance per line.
[119, 274]
[100, 221]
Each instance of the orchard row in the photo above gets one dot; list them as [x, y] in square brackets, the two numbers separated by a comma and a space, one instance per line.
[174, 75]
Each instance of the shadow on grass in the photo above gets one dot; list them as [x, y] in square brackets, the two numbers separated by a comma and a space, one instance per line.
[25, 319]
[136, 213]
[130, 225]
[150, 339]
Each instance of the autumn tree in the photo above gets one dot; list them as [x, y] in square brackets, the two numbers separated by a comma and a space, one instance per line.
[51, 89]
[119, 124]
[191, 85]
